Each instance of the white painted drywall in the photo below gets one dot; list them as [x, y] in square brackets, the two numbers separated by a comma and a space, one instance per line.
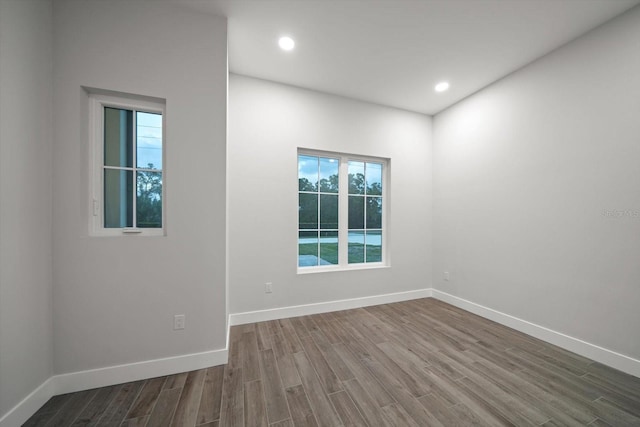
[267, 123]
[537, 191]
[26, 348]
[115, 297]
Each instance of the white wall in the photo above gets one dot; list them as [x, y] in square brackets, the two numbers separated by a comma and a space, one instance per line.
[267, 123]
[115, 298]
[25, 199]
[525, 171]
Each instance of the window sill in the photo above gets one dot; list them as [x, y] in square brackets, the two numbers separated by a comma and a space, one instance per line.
[336, 268]
[129, 232]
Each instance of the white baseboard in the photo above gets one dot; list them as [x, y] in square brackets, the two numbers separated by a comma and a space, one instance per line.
[29, 405]
[324, 307]
[599, 354]
[102, 377]
[84, 380]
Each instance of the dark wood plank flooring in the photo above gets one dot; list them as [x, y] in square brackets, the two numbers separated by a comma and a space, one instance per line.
[415, 363]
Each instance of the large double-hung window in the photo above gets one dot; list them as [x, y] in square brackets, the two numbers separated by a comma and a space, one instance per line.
[342, 210]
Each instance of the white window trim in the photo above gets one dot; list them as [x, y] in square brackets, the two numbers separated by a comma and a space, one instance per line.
[97, 103]
[343, 213]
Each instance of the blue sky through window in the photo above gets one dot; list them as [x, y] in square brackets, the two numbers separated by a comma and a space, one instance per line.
[308, 168]
[149, 142]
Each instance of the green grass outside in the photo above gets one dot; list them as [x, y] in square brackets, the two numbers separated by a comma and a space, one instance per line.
[329, 252]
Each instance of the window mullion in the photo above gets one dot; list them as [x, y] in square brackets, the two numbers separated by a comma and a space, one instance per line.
[343, 212]
[366, 206]
[134, 148]
[318, 233]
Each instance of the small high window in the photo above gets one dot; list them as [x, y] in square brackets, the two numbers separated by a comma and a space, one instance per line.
[128, 153]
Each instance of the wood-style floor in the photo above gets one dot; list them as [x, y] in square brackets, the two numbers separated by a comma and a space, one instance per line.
[415, 363]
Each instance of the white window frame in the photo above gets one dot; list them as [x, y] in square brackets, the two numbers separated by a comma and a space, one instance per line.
[97, 103]
[343, 212]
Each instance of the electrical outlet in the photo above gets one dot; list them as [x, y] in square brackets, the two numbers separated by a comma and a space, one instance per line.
[268, 288]
[178, 322]
[446, 276]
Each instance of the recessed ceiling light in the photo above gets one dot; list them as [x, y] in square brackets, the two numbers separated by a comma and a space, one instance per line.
[442, 86]
[286, 43]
